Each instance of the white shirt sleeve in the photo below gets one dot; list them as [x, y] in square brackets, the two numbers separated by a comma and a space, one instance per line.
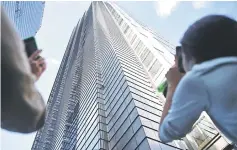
[189, 101]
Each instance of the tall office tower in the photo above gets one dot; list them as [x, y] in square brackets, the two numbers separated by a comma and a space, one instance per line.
[104, 93]
[25, 15]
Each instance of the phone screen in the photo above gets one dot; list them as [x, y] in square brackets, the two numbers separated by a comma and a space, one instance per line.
[30, 46]
[179, 55]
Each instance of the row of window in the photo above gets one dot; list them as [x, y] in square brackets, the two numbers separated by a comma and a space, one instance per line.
[57, 94]
[125, 133]
[110, 83]
[91, 89]
[122, 109]
[126, 30]
[115, 91]
[59, 127]
[145, 55]
[117, 99]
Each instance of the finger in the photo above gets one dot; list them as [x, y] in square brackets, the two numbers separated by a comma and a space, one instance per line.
[37, 57]
[44, 67]
[35, 54]
[43, 64]
[41, 59]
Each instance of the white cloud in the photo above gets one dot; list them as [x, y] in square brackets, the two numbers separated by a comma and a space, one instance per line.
[199, 4]
[54, 61]
[165, 7]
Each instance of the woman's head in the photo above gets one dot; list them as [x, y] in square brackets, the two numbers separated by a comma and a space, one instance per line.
[210, 37]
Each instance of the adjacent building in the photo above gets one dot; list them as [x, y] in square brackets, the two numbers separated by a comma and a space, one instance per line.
[104, 95]
[25, 15]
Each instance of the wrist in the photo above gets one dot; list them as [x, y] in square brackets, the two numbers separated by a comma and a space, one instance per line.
[170, 92]
[172, 86]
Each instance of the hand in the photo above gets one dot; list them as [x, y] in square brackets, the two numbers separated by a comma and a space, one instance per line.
[37, 63]
[173, 76]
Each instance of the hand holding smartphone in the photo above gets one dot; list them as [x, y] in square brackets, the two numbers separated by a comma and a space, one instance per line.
[37, 63]
[164, 86]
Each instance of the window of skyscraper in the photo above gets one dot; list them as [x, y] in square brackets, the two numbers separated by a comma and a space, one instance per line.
[133, 38]
[147, 61]
[130, 35]
[140, 49]
[135, 44]
[144, 35]
[120, 22]
[126, 29]
[124, 26]
[155, 68]
[128, 32]
[144, 54]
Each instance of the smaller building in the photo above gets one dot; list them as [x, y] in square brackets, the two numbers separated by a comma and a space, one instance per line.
[25, 15]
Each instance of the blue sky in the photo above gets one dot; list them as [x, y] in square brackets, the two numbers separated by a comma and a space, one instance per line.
[169, 18]
[172, 18]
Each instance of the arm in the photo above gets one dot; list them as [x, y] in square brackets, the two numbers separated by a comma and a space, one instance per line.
[189, 101]
[169, 96]
[173, 77]
[172, 84]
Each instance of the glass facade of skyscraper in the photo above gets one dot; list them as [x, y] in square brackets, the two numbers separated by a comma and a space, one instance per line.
[25, 15]
[104, 94]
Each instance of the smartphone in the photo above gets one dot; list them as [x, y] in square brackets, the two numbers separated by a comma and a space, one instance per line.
[180, 63]
[180, 66]
[30, 46]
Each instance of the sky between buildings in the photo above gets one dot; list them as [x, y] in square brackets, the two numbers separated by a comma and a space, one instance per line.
[169, 18]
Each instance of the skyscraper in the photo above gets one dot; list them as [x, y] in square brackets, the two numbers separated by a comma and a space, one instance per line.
[25, 15]
[104, 94]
